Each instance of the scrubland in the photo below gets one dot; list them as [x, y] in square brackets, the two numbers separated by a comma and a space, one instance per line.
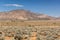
[29, 30]
[31, 23]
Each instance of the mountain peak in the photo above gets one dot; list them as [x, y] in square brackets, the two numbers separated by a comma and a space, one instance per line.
[24, 15]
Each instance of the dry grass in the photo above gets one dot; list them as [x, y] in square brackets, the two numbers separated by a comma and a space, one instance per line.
[33, 30]
[30, 23]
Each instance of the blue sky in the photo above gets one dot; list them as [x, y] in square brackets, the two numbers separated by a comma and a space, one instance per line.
[49, 7]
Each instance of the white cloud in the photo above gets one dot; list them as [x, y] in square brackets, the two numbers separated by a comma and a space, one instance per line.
[15, 5]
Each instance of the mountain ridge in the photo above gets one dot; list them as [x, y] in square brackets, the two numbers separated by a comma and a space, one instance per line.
[24, 15]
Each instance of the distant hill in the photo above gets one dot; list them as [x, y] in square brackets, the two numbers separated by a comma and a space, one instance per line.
[24, 15]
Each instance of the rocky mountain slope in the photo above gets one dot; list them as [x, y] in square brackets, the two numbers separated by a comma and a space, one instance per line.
[24, 15]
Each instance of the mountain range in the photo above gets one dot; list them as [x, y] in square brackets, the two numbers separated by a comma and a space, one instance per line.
[24, 15]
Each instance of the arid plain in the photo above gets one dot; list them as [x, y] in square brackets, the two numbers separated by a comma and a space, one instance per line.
[25, 25]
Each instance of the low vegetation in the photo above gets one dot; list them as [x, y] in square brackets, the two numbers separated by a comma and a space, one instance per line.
[30, 23]
[29, 30]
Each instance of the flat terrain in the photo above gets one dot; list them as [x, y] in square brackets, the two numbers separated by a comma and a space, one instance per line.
[30, 30]
[31, 23]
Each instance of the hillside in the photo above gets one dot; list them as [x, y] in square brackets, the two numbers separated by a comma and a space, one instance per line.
[24, 15]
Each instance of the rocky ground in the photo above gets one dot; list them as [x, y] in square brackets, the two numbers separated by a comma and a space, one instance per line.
[30, 33]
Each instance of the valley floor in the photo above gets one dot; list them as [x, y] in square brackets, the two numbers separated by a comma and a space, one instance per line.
[30, 30]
